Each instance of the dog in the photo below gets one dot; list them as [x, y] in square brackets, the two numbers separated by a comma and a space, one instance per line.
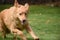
[14, 20]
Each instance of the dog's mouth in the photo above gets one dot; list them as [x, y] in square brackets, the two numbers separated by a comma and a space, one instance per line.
[23, 22]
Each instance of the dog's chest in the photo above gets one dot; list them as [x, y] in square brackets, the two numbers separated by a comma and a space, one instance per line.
[18, 24]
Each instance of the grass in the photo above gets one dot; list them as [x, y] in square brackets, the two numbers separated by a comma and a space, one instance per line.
[44, 20]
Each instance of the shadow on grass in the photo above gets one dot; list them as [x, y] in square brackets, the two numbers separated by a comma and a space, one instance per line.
[10, 38]
[30, 39]
[27, 39]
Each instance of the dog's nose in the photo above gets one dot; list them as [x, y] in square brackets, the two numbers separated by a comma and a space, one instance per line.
[24, 21]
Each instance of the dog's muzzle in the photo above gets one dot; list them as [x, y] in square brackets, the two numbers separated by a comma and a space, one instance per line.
[24, 21]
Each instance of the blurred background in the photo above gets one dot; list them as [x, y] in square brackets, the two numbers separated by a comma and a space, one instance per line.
[43, 16]
[51, 2]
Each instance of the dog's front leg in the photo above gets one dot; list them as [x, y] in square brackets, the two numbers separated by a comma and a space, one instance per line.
[29, 30]
[3, 35]
[2, 30]
[20, 33]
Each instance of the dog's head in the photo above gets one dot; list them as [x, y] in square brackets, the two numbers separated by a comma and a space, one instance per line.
[21, 11]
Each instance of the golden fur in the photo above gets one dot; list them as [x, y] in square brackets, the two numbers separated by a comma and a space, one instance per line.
[13, 20]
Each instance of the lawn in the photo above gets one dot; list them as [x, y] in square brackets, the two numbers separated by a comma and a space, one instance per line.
[44, 20]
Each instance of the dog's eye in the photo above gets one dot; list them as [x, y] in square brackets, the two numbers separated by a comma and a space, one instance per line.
[25, 13]
[20, 14]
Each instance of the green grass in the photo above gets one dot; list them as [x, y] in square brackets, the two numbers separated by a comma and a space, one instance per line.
[44, 20]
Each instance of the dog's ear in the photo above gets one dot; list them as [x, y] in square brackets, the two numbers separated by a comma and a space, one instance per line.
[26, 6]
[16, 3]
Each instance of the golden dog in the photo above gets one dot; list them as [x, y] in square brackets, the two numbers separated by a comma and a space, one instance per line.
[13, 20]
